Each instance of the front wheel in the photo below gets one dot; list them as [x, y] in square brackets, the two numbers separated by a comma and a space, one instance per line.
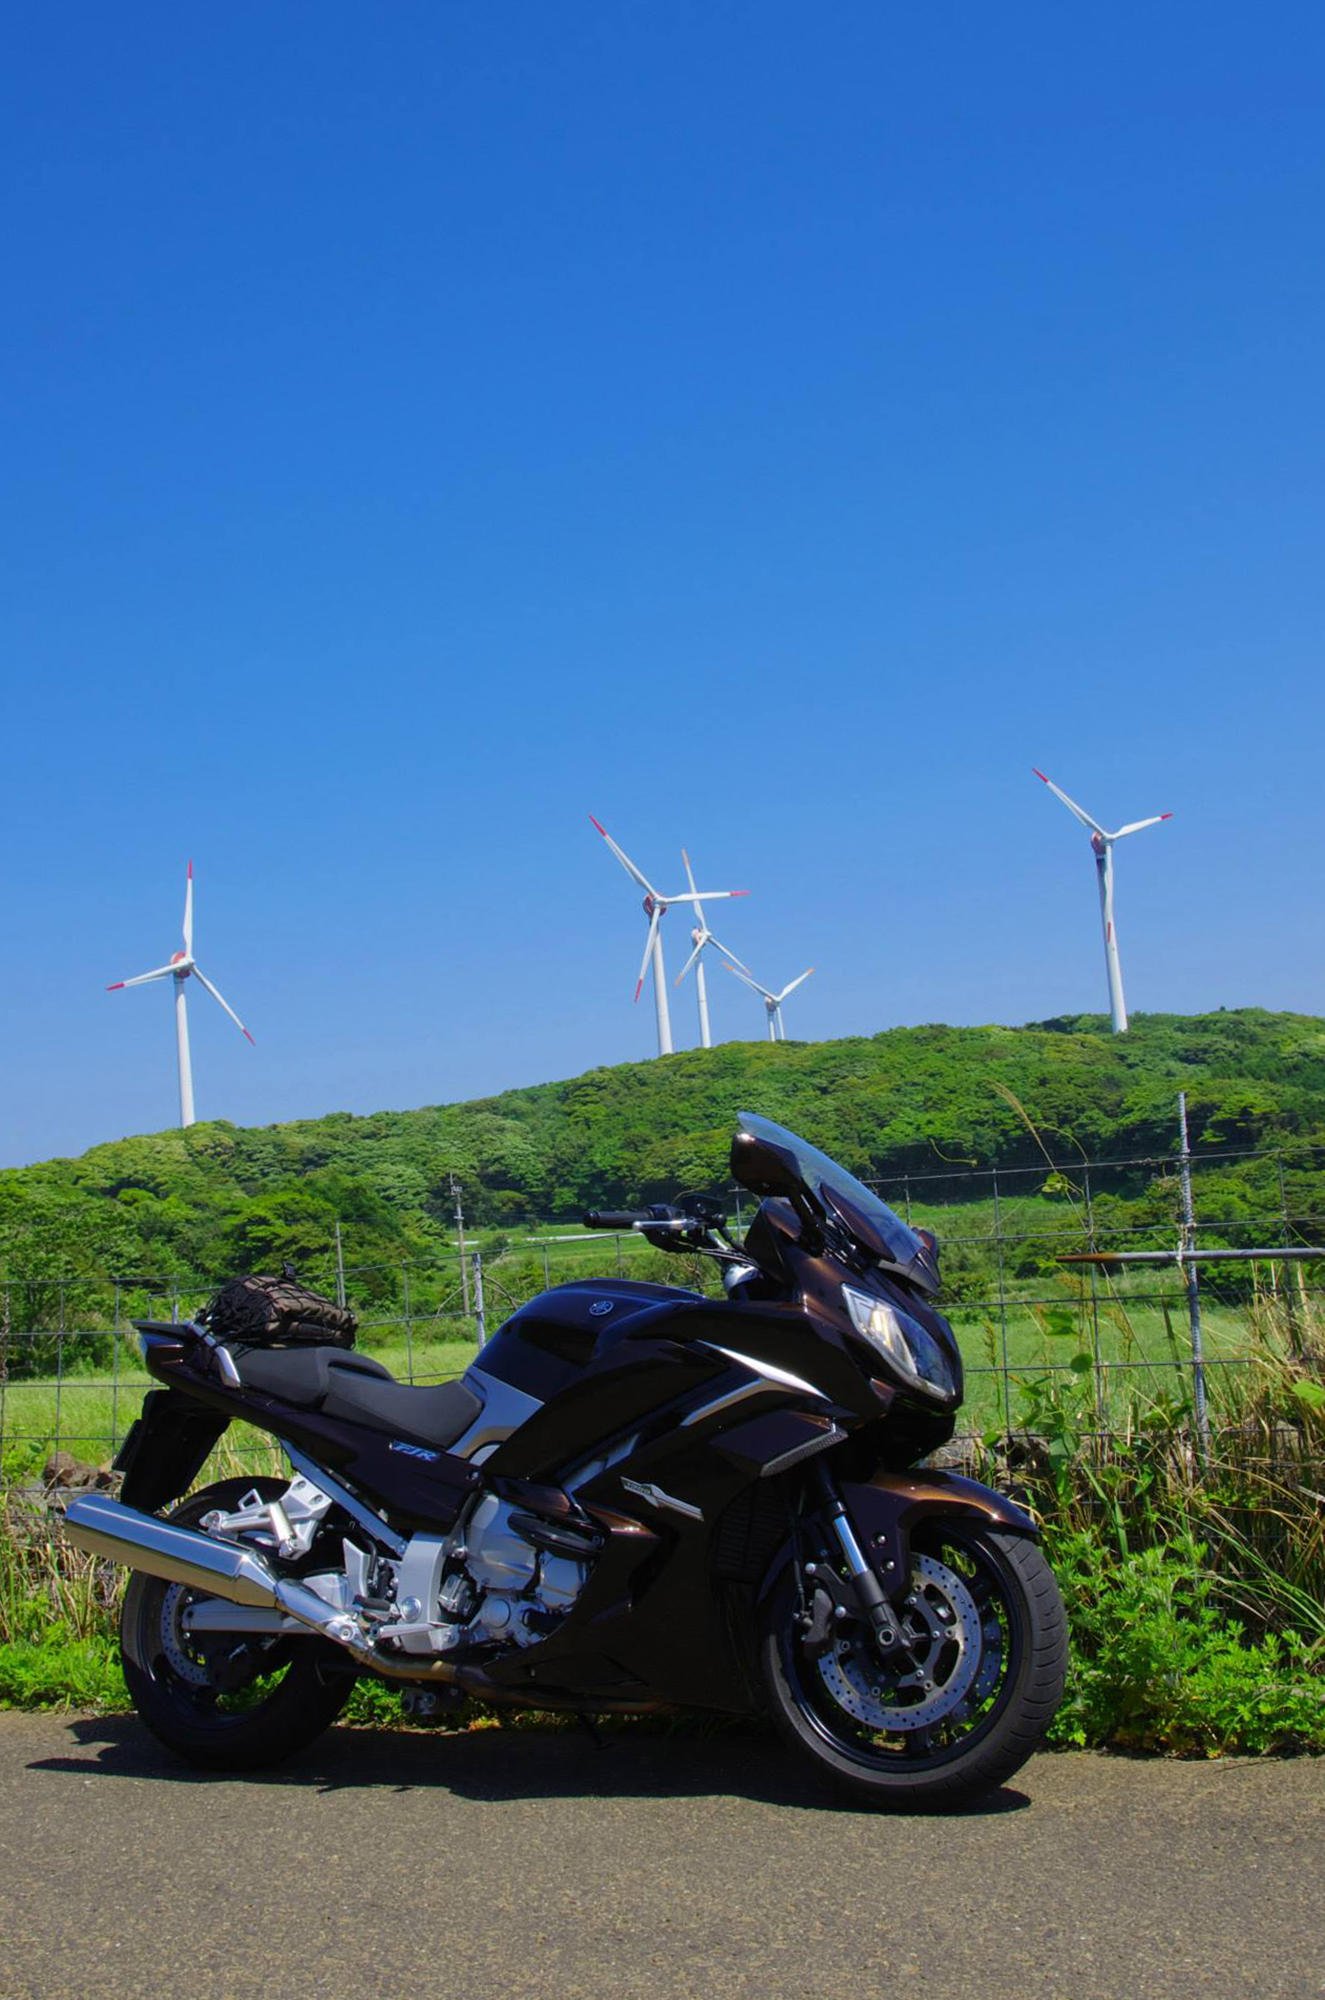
[224, 1701]
[954, 1710]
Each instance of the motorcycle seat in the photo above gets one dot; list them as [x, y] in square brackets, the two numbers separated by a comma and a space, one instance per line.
[358, 1390]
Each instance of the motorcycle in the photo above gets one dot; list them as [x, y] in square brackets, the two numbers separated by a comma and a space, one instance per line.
[636, 1496]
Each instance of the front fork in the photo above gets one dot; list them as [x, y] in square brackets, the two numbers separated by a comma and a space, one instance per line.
[859, 1595]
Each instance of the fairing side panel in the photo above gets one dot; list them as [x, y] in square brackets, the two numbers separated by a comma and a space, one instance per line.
[658, 1360]
[651, 1615]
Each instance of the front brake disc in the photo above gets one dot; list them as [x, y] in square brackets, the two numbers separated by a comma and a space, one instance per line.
[947, 1660]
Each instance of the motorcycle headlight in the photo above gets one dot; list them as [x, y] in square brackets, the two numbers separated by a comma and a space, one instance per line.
[912, 1353]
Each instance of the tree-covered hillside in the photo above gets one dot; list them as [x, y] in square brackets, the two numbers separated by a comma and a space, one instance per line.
[217, 1197]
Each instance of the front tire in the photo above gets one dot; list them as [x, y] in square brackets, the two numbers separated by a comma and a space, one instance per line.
[955, 1715]
[233, 1704]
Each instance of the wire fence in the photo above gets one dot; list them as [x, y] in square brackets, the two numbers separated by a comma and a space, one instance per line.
[71, 1379]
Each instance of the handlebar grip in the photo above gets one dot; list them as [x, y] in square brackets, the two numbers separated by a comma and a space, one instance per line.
[616, 1218]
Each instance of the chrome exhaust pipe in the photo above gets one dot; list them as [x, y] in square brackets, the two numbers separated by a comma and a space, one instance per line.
[106, 1527]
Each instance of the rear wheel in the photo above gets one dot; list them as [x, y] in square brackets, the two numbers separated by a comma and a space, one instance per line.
[958, 1707]
[224, 1700]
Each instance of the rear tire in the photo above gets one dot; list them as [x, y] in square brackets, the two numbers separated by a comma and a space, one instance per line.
[232, 1704]
[994, 1649]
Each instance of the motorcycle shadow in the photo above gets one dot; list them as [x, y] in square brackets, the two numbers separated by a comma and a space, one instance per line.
[502, 1763]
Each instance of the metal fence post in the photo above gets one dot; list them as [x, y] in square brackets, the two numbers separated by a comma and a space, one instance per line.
[5, 1321]
[1291, 1277]
[480, 1318]
[59, 1367]
[115, 1372]
[1101, 1399]
[340, 1269]
[1002, 1305]
[1193, 1287]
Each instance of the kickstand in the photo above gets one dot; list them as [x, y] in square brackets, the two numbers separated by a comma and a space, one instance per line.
[587, 1722]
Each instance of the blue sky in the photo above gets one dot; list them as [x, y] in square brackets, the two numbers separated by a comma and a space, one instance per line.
[768, 429]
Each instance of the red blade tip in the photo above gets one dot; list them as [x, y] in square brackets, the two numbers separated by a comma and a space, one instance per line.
[639, 988]
[250, 1038]
[118, 987]
[1040, 775]
[1166, 815]
[598, 823]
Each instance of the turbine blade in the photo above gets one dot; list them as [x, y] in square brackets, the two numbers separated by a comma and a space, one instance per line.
[161, 972]
[1071, 804]
[203, 980]
[625, 860]
[701, 896]
[726, 949]
[690, 873]
[780, 997]
[690, 961]
[654, 921]
[188, 914]
[1137, 825]
[750, 980]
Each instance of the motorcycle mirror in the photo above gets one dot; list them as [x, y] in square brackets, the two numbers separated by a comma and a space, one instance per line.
[765, 1168]
[769, 1169]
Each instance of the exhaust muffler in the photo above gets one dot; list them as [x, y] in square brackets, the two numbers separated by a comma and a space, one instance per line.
[106, 1527]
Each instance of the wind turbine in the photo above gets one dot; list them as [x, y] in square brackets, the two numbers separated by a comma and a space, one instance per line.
[655, 909]
[772, 1001]
[1102, 843]
[182, 967]
[701, 936]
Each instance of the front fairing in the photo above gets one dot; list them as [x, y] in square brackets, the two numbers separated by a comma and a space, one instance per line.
[834, 1192]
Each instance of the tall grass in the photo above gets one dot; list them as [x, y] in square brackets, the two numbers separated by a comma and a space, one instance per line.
[1194, 1578]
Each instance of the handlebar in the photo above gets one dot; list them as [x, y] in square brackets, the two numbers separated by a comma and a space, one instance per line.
[619, 1218]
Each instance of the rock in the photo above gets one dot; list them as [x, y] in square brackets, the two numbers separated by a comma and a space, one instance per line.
[68, 1474]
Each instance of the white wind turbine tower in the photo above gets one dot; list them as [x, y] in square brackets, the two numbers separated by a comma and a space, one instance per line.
[701, 937]
[655, 909]
[1102, 843]
[772, 1001]
[182, 967]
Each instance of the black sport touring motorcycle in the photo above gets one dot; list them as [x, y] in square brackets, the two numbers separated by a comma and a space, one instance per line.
[636, 1496]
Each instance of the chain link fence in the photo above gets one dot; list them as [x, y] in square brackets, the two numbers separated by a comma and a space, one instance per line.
[71, 1378]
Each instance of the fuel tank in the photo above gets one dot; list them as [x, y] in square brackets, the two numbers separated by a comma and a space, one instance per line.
[545, 1346]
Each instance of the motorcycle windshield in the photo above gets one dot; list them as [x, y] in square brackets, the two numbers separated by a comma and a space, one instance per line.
[870, 1220]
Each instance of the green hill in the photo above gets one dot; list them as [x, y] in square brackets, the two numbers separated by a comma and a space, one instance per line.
[218, 1197]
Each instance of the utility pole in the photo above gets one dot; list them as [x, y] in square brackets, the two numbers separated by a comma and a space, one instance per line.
[1188, 1265]
[340, 1270]
[480, 1318]
[460, 1235]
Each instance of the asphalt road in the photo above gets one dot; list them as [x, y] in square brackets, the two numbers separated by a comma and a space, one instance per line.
[517, 1862]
